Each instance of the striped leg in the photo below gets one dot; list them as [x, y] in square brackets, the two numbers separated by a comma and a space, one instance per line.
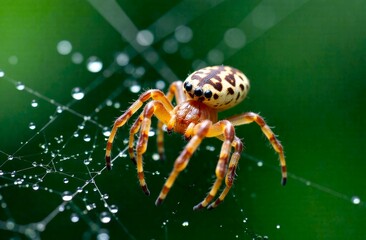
[250, 117]
[230, 176]
[154, 94]
[134, 129]
[183, 159]
[152, 108]
[175, 89]
[227, 129]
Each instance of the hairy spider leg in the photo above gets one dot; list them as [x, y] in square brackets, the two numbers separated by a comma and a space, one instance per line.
[250, 117]
[175, 90]
[152, 108]
[230, 175]
[226, 129]
[150, 94]
[200, 132]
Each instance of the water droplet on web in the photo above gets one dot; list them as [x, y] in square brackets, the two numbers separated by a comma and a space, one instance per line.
[160, 84]
[105, 196]
[87, 138]
[34, 103]
[64, 47]
[259, 163]
[113, 208]
[155, 156]
[67, 196]
[106, 132]
[86, 161]
[74, 218]
[90, 206]
[76, 134]
[77, 93]
[145, 38]
[59, 109]
[103, 236]
[2, 73]
[94, 64]
[35, 186]
[183, 34]
[210, 148]
[66, 180]
[1, 172]
[122, 59]
[9, 225]
[20, 86]
[10, 157]
[185, 224]
[105, 217]
[32, 126]
[77, 58]
[79, 189]
[135, 88]
[278, 226]
[356, 200]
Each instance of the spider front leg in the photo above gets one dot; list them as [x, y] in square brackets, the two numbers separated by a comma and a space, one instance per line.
[250, 117]
[181, 163]
[154, 94]
[144, 122]
[230, 175]
[175, 90]
[226, 129]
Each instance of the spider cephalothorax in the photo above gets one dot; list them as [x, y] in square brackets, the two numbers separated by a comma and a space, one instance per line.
[199, 99]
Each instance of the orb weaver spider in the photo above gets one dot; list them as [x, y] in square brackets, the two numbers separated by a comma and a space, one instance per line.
[199, 99]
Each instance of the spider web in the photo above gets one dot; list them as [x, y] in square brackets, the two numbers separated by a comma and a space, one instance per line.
[53, 180]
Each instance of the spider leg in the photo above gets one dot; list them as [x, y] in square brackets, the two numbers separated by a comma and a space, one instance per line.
[181, 162]
[152, 108]
[230, 175]
[226, 128]
[175, 89]
[250, 117]
[154, 94]
[133, 130]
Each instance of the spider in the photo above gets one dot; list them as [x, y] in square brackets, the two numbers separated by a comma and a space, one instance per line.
[199, 99]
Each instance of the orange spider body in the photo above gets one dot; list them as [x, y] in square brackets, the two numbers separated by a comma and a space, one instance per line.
[199, 99]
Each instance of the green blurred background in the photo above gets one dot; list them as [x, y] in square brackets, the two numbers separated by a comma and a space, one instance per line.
[307, 64]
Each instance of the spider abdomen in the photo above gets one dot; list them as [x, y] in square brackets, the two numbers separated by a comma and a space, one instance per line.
[219, 87]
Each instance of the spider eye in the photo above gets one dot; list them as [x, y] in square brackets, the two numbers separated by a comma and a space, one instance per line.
[198, 92]
[208, 94]
[188, 86]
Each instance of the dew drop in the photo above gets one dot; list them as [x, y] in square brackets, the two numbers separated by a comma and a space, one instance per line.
[356, 200]
[77, 93]
[32, 126]
[145, 38]
[160, 84]
[210, 148]
[105, 217]
[59, 109]
[135, 88]
[67, 196]
[74, 218]
[64, 47]
[10, 157]
[77, 58]
[94, 64]
[35, 186]
[87, 138]
[20, 86]
[113, 208]
[183, 34]
[2, 73]
[185, 224]
[106, 132]
[235, 38]
[278, 226]
[122, 59]
[103, 236]
[34, 103]
[259, 163]
[86, 162]
[66, 180]
[155, 157]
